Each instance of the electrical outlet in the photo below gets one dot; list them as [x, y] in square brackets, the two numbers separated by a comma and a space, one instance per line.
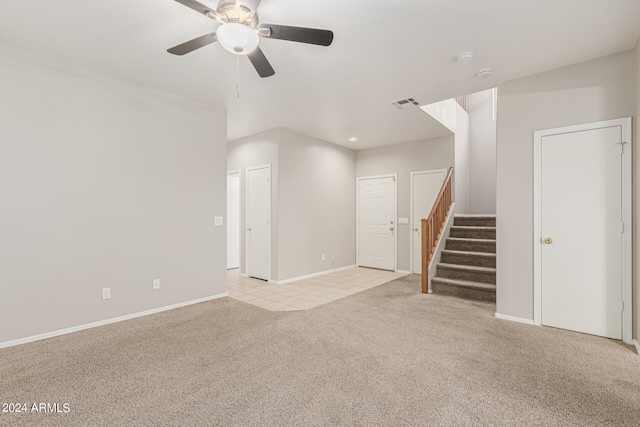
[324, 257]
[106, 293]
[156, 283]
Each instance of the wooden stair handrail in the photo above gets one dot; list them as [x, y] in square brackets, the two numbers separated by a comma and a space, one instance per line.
[432, 227]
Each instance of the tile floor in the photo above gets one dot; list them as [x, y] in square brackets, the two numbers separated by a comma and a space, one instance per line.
[308, 293]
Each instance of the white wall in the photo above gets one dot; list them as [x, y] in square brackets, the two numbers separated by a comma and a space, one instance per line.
[436, 153]
[461, 171]
[317, 206]
[444, 112]
[591, 91]
[482, 153]
[453, 117]
[103, 184]
[254, 150]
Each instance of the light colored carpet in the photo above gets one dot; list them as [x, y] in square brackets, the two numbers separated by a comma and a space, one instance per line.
[388, 356]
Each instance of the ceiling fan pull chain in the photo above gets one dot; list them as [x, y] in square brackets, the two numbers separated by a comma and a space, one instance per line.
[238, 76]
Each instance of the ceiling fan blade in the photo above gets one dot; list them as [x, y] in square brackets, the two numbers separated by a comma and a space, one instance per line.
[197, 6]
[297, 34]
[194, 44]
[261, 63]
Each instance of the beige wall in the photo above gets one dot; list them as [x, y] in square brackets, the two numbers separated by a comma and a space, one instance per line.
[636, 182]
[591, 91]
[482, 153]
[317, 206]
[436, 153]
[104, 184]
[313, 200]
[255, 150]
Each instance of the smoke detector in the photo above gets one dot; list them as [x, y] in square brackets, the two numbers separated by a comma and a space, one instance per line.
[464, 57]
[484, 73]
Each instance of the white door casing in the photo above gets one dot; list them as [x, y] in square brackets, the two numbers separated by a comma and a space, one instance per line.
[233, 219]
[377, 224]
[582, 202]
[258, 222]
[425, 186]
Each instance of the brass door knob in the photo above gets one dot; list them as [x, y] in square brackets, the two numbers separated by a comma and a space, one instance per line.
[548, 240]
[248, 228]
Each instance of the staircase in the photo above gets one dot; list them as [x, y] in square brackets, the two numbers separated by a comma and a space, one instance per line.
[467, 267]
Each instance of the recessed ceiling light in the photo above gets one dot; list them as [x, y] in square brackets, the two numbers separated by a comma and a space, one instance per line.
[353, 139]
[464, 57]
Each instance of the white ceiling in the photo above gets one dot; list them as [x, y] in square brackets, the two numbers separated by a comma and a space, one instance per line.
[383, 51]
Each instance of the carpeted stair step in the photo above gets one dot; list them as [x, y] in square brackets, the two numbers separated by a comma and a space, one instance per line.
[469, 232]
[471, 245]
[477, 259]
[466, 272]
[475, 220]
[464, 289]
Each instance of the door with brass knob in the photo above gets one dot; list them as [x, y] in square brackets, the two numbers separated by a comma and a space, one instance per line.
[580, 274]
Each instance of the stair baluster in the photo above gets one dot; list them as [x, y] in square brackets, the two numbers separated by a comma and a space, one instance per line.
[432, 227]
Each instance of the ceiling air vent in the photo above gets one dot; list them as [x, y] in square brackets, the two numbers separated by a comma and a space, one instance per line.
[405, 103]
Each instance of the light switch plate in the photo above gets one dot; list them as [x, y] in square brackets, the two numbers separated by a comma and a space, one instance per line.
[403, 220]
[217, 220]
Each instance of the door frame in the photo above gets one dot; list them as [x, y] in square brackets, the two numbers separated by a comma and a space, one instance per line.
[246, 210]
[627, 260]
[411, 219]
[237, 172]
[395, 215]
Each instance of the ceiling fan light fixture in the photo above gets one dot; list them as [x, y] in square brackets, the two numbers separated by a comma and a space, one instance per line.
[237, 38]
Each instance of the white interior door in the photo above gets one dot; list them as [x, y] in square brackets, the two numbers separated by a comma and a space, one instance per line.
[233, 220]
[581, 226]
[377, 222]
[258, 222]
[425, 186]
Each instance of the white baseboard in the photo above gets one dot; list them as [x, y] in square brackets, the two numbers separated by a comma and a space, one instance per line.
[637, 346]
[475, 215]
[309, 276]
[514, 319]
[107, 321]
[403, 271]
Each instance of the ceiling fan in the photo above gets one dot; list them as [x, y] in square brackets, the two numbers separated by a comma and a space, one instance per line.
[240, 31]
